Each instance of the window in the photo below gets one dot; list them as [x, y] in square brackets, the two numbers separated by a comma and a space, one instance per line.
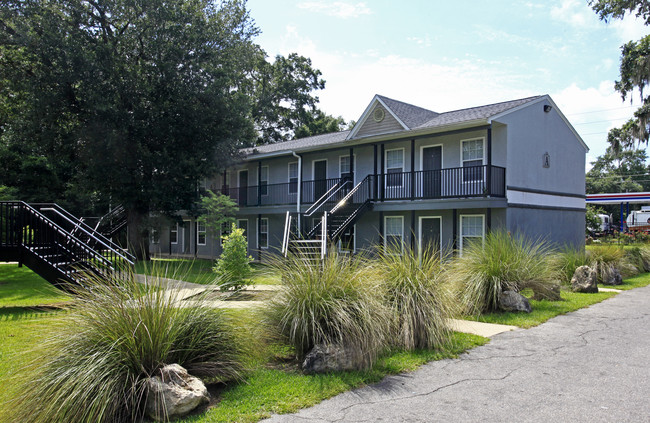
[264, 180]
[243, 224]
[344, 165]
[173, 234]
[226, 181]
[200, 233]
[394, 230]
[155, 236]
[471, 229]
[394, 167]
[346, 242]
[472, 156]
[293, 178]
[264, 233]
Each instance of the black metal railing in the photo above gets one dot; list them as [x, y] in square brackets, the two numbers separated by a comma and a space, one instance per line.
[32, 238]
[459, 182]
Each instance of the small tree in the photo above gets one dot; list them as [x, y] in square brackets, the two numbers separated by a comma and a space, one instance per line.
[217, 210]
[233, 268]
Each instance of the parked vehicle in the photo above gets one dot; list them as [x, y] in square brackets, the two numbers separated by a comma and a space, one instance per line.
[639, 220]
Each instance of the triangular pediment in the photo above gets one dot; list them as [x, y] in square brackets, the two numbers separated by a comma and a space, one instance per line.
[377, 119]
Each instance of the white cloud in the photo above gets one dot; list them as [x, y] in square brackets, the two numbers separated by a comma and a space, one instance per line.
[337, 9]
[424, 42]
[574, 12]
[630, 28]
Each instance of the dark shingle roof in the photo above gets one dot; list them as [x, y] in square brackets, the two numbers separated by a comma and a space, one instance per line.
[474, 113]
[412, 116]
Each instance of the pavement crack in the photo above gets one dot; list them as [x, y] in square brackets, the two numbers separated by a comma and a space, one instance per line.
[345, 410]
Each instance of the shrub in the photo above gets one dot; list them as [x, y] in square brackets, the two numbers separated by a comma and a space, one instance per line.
[416, 295]
[93, 366]
[330, 302]
[566, 261]
[233, 268]
[503, 262]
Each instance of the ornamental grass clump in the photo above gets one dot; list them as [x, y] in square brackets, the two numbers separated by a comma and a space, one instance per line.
[606, 259]
[94, 364]
[417, 296]
[329, 302]
[503, 262]
[566, 261]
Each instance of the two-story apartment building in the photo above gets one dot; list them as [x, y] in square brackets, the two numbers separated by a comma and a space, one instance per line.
[404, 173]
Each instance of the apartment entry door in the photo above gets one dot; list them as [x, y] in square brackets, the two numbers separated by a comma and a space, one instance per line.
[430, 228]
[320, 178]
[243, 187]
[432, 173]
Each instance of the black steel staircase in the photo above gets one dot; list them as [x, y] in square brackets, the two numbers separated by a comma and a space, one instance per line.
[56, 245]
[341, 207]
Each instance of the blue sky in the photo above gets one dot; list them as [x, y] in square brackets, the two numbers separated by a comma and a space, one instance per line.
[447, 55]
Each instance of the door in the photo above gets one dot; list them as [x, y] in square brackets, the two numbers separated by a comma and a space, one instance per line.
[432, 173]
[320, 178]
[243, 187]
[430, 233]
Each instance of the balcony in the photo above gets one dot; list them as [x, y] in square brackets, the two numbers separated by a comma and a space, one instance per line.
[460, 182]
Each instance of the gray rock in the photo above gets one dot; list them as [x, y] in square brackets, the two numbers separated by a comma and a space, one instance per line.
[331, 358]
[612, 276]
[513, 301]
[584, 279]
[174, 393]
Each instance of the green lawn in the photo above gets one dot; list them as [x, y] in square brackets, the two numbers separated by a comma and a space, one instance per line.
[20, 287]
[198, 271]
[630, 283]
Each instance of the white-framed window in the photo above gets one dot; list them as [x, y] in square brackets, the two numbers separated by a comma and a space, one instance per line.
[155, 236]
[201, 234]
[472, 229]
[226, 229]
[293, 177]
[243, 224]
[173, 234]
[264, 180]
[394, 167]
[263, 232]
[203, 184]
[394, 230]
[472, 155]
[344, 165]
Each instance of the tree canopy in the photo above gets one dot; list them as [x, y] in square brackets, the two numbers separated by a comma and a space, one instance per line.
[635, 63]
[134, 102]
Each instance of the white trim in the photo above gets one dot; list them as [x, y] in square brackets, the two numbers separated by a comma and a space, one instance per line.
[472, 139]
[354, 240]
[354, 160]
[155, 236]
[313, 168]
[239, 171]
[402, 232]
[259, 178]
[460, 229]
[289, 177]
[420, 219]
[205, 234]
[170, 235]
[442, 155]
[258, 222]
[547, 200]
[386, 168]
[366, 114]
[557, 109]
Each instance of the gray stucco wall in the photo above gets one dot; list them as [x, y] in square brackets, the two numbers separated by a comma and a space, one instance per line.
[559, 227]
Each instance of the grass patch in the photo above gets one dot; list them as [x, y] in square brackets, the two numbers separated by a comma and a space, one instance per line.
[199, 271]
[544, 310]
[20, 287]
[268, 391]
[631, 283]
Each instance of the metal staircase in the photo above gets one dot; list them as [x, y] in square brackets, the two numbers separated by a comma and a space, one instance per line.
[56, 245]
[337, 217]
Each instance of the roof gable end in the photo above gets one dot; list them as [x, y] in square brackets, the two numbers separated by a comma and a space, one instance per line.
[378, 118]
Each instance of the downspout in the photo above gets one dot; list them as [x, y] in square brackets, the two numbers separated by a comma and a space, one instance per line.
[299, 193]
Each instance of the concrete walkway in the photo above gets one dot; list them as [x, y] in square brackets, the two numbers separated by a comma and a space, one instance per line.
[587, 366]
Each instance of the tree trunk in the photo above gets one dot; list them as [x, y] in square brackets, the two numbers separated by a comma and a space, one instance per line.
[137, 239]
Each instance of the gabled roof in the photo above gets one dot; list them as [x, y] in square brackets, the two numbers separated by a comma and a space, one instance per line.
[412, 119]
[412, 116]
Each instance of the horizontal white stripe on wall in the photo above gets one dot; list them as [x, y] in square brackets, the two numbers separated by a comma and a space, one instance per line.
[548, 200]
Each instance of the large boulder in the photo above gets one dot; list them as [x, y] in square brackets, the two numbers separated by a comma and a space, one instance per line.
[174, 393]
[331, 358]
[585, 279]
[612, 276]
[513, 301]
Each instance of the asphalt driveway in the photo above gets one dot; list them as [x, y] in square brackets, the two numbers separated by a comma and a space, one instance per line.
[592, 365]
